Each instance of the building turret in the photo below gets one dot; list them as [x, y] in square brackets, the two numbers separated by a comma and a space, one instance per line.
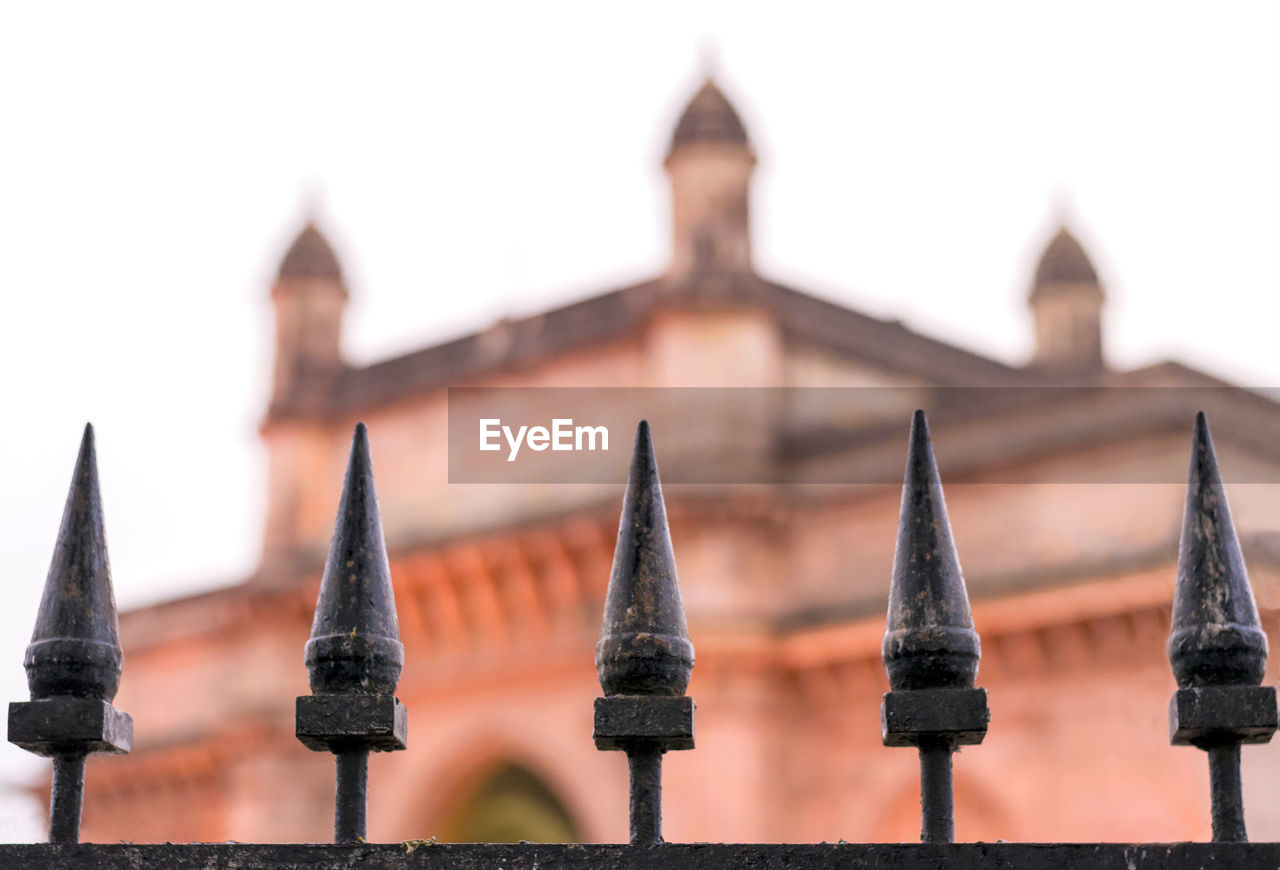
[309, 297]
[709, 163]
[1066, 302]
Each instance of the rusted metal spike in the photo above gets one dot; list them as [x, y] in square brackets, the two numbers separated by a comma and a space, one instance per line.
[1216, 637]
[644, 646]
[354, 656]
[74, 660]
[930, 648]
[929, 642]
[75, 647]
[355, 639]
[1217, 646]
[644, 657]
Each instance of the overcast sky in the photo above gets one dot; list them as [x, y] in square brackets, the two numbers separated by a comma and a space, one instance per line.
[477, 160]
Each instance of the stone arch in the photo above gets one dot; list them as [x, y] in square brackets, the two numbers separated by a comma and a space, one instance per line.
[508, 804]
[481, 794]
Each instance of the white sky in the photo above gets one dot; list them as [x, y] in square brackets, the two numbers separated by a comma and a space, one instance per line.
[474, 160]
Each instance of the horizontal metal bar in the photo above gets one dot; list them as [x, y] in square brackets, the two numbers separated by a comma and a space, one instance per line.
[670, 856]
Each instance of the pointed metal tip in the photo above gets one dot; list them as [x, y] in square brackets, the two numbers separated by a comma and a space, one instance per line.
[929, 640]
[1201, 438]
[1204, 459]
[355, 638]
[87, 458]
[644, 462]
[359, 461]
[1216, 636]
[644, 646]
[644, 441]
[920, 447]
[75, 647]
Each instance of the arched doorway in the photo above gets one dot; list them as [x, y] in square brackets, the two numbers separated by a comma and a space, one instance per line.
[508, 804]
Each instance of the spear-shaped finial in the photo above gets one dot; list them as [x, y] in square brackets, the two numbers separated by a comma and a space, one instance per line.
[1217, 637]
[644, 646]
[354, 656]
[1217, 647]
[644, 657]
[930, 647]
[74, 660]
[930, 642]
[355, 638]
[75, 647]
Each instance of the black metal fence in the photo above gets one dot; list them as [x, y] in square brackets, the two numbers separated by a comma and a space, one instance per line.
[644, 659]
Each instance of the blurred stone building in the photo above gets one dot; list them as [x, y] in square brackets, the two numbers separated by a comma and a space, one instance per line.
[1065, 511]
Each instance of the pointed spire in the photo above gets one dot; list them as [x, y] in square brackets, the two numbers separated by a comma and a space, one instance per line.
[1216, 637]
[355, 639]
[75, 647]
[930, 642]
[1064, 261]
[644, 646]
[1066, 301]
[310, 256]
[709, 117]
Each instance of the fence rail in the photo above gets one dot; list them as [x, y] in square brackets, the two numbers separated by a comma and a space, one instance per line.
[644, 659]
[666, 856]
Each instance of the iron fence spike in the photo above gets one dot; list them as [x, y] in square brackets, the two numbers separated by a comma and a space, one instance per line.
[930, 641]
[355, 638]
[644, 646]
[1216, 637]
[75, 646]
